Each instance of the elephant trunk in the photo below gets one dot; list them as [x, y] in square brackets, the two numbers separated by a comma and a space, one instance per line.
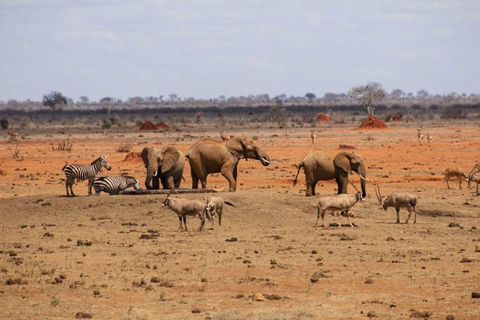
[150, 173]
[363, 172]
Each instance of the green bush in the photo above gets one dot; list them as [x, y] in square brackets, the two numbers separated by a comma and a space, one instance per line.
[4, 123]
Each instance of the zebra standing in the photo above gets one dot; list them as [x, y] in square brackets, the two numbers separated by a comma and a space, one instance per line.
[82, 172]
[113, 185]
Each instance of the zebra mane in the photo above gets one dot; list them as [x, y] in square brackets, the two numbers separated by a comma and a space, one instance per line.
[96, 160]
[129, 177]
[101, 178]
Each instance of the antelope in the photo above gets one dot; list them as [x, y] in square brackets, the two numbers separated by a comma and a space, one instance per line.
[340, 202]
[215, 205]
[420, 135]
[452, 173]
[474, 176]
[224, 137]
[313, 136]
[186, 207]
[399, 200]
[13, 134]
[429, 139]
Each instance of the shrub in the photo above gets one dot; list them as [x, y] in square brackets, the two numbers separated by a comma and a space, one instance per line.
[4, 123]
[124, 147]
[64, 145]
[106, 124]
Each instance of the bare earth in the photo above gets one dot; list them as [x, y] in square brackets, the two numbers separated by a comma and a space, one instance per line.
[133, 263]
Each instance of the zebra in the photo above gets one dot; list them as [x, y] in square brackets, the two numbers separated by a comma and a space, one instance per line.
[113, 185]
[82, 172]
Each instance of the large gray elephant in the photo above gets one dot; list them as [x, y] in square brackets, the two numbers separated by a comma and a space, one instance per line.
[317, 166]
[164, 164]
[209, 156]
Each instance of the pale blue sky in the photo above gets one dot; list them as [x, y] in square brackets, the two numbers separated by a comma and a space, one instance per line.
[208, 48]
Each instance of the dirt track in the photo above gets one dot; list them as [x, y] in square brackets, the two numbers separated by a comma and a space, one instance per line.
[379, 267]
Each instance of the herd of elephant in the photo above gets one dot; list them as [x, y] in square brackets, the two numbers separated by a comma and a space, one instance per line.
[207, 156]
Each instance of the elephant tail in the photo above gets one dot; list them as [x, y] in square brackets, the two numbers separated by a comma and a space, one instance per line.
[300, 166]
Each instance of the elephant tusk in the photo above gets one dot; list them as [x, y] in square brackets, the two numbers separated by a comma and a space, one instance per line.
[265, 160]
[155, 173]
[363, 178]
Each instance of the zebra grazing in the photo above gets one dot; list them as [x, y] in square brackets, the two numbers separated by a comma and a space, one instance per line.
[83, 172]
[113, 185]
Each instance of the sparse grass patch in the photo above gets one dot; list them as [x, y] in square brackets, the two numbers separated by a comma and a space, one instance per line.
[124, 147]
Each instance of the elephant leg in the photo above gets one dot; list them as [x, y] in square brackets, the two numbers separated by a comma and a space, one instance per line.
[342, 182]
[176, 182]
[314, 187]
[155, 182]
[167, 182]
[194, 179]
[229, 175]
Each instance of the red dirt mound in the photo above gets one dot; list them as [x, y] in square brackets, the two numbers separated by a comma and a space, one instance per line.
[323, 117]
[162, 125]
[397, 117]
[147, 125]
[132, 155]
[372, 122]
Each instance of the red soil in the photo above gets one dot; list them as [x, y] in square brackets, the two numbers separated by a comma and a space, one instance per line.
[147, 125]
[397, 117]
[132, 155]
[162, 125]
[323, 117]
[372, 122]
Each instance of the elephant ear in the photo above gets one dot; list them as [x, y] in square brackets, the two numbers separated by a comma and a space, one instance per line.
[170, 157]
[236, 147]
[144, 155]
[342, 160]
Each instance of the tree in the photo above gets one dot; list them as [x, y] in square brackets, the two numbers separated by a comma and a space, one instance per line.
[422, 93]
[368, 95]
[53, 99]
[397, 93]
[83, 99]
[310, 96]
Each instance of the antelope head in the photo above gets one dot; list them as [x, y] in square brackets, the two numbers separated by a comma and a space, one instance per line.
[381, 199]
[359, 193]
[166, 200]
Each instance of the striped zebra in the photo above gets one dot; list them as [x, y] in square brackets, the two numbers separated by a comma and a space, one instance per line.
[81, 172]
[113, 185]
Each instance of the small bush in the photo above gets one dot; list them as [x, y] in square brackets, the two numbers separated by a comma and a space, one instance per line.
[124, 147]
[106, 124]
[64, 145]
[4, 123]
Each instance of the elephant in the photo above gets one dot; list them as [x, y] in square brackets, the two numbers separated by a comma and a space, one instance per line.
[164, 164]
[209, 156]
[317, 166]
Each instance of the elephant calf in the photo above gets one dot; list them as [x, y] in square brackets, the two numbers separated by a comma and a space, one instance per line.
[164, 165]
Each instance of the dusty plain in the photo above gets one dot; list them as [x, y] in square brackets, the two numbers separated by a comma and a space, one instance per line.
[134, 264]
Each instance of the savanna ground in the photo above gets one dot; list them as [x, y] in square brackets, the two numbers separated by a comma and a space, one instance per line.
[121, 257]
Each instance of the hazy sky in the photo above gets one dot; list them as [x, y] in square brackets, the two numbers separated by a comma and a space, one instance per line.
[208, 48]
